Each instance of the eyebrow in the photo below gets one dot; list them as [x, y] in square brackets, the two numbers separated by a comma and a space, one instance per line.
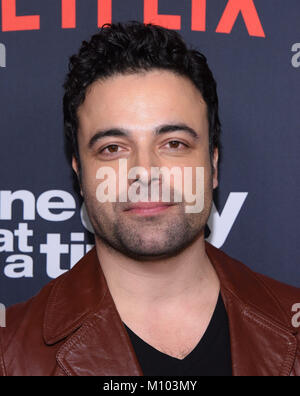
[167, 128]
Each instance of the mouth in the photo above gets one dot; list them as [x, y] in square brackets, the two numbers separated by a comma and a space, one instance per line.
[148, 208]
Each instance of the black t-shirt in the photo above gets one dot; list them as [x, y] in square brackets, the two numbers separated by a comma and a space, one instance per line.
[211, 356]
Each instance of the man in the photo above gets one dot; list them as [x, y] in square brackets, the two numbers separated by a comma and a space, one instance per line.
[152, 297]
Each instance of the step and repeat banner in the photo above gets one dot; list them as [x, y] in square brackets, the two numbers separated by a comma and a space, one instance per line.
[253, 49]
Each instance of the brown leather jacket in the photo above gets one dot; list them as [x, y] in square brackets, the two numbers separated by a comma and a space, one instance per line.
[72, 326]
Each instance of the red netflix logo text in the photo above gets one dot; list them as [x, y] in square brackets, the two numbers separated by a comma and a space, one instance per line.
[12, 21]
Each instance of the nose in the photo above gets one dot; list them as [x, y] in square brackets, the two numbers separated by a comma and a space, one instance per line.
[140, 165]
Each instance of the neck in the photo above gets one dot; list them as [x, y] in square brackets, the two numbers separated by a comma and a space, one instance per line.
[177, 280]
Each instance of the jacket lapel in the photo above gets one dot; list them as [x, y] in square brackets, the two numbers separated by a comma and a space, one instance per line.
[81, 314]
[259, 347]
[101, 347]
[263, 342]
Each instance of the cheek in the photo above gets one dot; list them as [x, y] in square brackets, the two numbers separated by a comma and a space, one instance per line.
[89, 181]
[198, 177]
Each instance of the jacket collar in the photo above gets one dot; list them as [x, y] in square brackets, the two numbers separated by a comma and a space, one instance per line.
[80, 306]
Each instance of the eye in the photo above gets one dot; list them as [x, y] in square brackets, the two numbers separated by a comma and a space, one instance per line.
[175, 144]
[111, 149]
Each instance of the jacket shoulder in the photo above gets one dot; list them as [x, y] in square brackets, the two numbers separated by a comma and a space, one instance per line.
[287, 295]
[36, 329]
[270, 297]
[17, 313]
[24, 322]
[236, 273]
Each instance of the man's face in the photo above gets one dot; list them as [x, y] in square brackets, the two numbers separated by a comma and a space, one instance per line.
[152, 118]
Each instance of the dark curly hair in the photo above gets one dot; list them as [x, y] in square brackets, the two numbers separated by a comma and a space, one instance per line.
[131, 48]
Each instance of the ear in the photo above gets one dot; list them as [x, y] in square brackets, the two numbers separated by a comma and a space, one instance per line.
[76, 170]
[215, 167]
[75, 165]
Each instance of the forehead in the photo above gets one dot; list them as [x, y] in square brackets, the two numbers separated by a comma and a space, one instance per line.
[142, 100]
